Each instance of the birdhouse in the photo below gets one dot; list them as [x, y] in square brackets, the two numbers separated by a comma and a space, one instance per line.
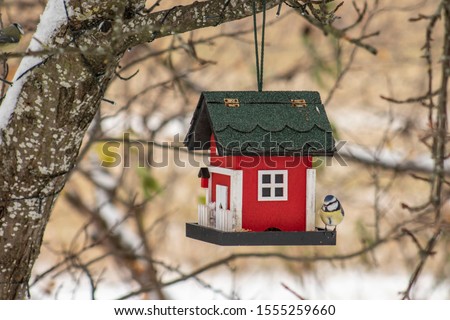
[260, 182]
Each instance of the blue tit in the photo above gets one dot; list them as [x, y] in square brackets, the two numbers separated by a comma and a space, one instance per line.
[331, 212]
[10, 37]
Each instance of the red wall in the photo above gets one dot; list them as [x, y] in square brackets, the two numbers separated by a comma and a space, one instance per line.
[222, 180]
[287, 215]
[270, 162]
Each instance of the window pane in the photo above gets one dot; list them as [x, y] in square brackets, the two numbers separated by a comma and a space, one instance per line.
[278, 178]
[266, 178]
[266, 192]
[279, 192]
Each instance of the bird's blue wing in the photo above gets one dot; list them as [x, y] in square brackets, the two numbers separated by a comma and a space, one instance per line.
[342, 211]
[7, 39]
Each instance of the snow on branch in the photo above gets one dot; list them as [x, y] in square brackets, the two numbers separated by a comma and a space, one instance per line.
[51, 20]
[387, 159]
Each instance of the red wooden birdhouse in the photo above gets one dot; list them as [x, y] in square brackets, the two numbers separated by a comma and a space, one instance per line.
[260, 183]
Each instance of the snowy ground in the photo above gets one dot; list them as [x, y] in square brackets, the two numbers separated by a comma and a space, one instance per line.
[339, 284]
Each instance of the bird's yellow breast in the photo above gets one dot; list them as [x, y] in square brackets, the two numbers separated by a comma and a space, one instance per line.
[8, 47]
[332, 218]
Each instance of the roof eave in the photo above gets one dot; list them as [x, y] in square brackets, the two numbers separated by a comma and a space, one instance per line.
[278, 154]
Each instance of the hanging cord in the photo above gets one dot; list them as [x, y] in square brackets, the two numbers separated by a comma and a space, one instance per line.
[259, 61]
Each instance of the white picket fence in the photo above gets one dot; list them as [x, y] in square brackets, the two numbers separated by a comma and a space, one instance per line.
[224, 220]
[205, 216]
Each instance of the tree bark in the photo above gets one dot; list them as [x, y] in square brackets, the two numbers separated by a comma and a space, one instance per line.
[56, 104]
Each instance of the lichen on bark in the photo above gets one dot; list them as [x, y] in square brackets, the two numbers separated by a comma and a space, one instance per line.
[56, 104]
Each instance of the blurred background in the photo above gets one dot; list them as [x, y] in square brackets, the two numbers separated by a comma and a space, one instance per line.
[118, 229]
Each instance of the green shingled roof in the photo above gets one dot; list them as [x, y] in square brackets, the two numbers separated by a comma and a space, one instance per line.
[264, 123]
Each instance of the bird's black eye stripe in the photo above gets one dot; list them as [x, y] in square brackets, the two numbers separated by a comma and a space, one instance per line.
[329, 204]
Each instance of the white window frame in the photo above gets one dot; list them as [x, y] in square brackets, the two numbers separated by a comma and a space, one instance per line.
[272, 185]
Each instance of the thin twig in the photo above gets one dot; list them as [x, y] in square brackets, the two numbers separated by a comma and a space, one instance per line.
[293, 292]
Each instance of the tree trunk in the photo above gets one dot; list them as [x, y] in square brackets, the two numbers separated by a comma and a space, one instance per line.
[57, 100]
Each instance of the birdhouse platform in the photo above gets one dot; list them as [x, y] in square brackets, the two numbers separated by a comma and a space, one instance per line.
[260, 182]
[263, 238]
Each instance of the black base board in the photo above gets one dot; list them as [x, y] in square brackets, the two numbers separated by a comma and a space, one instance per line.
[268, 238]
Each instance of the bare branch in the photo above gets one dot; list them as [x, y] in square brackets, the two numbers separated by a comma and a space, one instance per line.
[293, 292]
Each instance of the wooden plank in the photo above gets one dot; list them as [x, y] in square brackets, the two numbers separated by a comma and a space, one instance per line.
[310, 199]
[272, 238]
[236, 197]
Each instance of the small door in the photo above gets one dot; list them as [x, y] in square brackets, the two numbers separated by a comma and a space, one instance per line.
[221, 197]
